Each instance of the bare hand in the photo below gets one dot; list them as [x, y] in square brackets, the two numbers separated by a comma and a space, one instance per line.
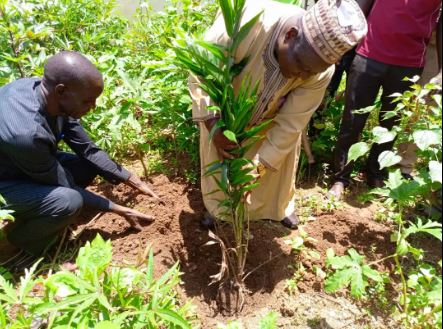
[132, 216]
[135, 182]
[221, 143]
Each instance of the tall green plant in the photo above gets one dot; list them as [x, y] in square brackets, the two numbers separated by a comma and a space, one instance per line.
[420, 120]
[216, 68]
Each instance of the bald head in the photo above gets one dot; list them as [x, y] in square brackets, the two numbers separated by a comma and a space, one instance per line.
[71, 68]
[71, 84]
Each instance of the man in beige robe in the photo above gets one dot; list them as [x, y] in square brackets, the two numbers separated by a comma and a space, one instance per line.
[290, 56]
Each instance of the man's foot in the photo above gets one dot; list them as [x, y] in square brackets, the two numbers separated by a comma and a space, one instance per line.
[208, 221]
[336, 191]
[291, 221]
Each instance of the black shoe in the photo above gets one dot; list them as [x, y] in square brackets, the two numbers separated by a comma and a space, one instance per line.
[208, 221]
[291, 222]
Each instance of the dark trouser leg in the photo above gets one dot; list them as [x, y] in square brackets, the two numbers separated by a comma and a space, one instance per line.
[40, 212]
[341, 67]
[362, 87]
[392, 83]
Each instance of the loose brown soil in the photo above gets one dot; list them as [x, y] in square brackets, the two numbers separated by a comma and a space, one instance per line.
[176, 236]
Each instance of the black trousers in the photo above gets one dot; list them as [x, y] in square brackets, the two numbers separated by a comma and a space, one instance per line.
[42, 211]
[363, 85]
[341, 67]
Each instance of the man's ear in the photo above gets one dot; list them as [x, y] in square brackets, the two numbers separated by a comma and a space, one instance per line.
[60, 89]
[291, 34]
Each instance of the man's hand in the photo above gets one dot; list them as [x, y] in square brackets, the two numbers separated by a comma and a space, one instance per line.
[132, 216]
[222, 144]
[135, 182]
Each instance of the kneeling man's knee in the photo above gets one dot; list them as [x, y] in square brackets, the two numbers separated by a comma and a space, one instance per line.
[70, 203]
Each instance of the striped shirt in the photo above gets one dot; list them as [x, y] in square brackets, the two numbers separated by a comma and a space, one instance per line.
[29, 139]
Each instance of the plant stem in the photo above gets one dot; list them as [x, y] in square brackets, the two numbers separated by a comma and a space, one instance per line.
[382, 260]
[145, 169]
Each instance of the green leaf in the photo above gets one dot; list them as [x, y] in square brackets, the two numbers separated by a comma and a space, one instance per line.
[339, 280]
[435, 171]
[435, 295]
[10, 295]
[106, 325]
[217, 50]
[388, 159]
[358, 284]
[383, 135]
[67, 302]
[228, 15]
[357, 150]
[355, 256]
[341, 262]
[173, 318]
[402, 247]
[94, 257]
[425, 138]
[230, 135]
[269, 321]
[372, 274]
[245, 29]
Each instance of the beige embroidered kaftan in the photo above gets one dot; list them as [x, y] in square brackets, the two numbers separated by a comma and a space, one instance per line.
[280, 149]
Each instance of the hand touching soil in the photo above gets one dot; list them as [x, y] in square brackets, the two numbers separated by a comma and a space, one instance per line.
[132, 216]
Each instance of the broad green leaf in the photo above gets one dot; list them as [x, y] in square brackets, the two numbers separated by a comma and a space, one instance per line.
[402, 247]
[358, 284]
[230, 135]
[372, 274]
[432, 228]
[357, 150]
[355, 256]
[395, 179]
[341, 262]
[435, 295]
[94, 257]
[383, 135]
[242, 180]
[330, 254]
[339, 280]
[425, 138]
[388, 159]
[435, 171]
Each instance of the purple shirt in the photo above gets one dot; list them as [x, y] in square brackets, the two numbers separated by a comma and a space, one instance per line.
[399, 31]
